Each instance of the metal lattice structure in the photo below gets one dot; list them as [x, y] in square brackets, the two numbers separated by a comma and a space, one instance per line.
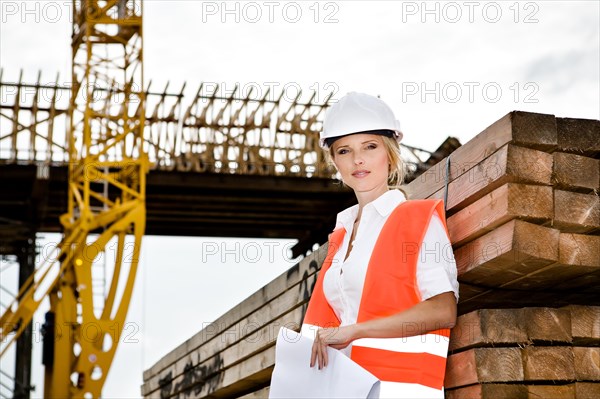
[105, 151]
[212, 130]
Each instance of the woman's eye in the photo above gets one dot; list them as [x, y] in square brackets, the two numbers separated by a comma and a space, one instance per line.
[372, 146]
[340, 152]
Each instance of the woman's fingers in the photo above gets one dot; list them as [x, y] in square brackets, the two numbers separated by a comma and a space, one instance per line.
[316, 356]
[319, 342]
[313, 354]
[318, 353]
[322, 344]
[320, 358]
[324, 338]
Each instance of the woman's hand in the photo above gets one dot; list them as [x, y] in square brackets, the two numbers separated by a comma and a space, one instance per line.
[337, 338]
[436, 312]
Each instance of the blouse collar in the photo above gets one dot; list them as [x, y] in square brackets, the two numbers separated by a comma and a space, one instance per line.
[384, 205]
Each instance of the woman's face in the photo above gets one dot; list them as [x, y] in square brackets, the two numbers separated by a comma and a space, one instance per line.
[363, 162]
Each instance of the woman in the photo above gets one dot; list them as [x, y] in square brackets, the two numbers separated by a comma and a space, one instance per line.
[387, 291]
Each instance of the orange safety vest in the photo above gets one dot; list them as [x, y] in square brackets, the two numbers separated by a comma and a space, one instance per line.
[390, 287]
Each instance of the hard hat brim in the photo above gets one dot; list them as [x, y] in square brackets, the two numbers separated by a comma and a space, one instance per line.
[326, 143]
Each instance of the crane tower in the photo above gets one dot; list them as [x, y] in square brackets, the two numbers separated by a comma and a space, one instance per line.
[106, 213]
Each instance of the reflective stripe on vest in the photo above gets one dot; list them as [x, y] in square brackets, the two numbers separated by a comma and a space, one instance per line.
[390, 287]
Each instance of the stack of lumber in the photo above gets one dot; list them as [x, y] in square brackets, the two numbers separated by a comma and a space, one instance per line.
[523, 211]
[524, 217]
[524, 221]
[235, 354]
[525, 353]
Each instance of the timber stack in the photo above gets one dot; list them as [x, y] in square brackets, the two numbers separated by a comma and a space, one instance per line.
[523, 212]
[524, 216]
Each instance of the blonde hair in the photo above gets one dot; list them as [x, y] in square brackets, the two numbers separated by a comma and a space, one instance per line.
[397, 171]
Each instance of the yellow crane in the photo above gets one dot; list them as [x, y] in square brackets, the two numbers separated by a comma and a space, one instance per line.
[106, 205]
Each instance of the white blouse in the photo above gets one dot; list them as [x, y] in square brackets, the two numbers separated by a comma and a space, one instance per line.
[343, 282]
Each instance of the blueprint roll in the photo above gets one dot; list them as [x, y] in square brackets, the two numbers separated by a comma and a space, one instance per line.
[294, 378]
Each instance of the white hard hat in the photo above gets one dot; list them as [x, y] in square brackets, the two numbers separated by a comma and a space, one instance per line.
[358, 113]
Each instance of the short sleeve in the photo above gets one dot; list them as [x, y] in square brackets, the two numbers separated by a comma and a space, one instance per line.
[436, 267]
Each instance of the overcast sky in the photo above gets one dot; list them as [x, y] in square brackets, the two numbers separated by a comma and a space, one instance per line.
[445, 68]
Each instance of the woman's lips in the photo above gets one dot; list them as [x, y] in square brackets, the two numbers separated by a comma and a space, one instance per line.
[361, 173]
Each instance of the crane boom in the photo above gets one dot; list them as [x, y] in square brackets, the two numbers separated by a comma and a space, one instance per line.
[106, 205]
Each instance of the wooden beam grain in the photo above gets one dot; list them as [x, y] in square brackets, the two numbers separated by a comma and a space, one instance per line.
[585, 324]
[587, 390]
[484, 365]
[525, 129]
[510, 251]
[579, 136]
[587, 363]
[546, 325]
[487, 327]
[510, 201]
[548, 363]
[488, 391]
[509, 164]
[576, 173]
[576, 212]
